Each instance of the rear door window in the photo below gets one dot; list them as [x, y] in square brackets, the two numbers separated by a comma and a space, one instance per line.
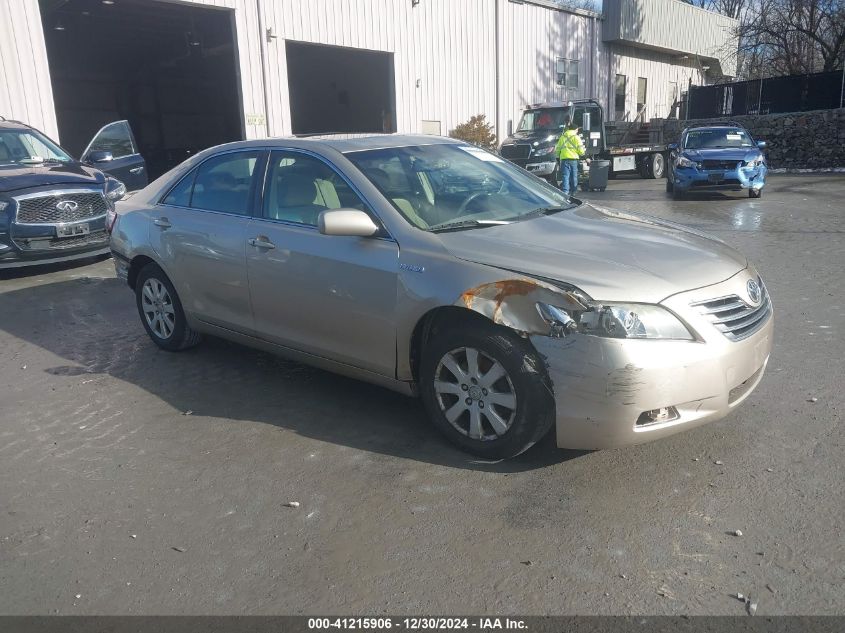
[222, 183]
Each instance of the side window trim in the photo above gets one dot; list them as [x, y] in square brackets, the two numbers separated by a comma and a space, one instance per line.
[295, 150]
[261, 163]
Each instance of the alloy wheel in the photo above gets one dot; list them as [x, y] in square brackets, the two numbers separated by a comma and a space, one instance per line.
[158, 309]
[475, 394]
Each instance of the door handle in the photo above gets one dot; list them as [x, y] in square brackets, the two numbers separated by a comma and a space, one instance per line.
[136, 170]
[162, 222]
[261, 242]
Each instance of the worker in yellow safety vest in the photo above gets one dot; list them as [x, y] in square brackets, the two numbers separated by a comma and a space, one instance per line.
[569, 149]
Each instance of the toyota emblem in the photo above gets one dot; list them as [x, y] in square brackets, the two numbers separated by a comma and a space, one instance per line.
[68, 206]
[753, 291]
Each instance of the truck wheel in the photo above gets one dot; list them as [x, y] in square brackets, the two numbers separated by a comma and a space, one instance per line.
[657, 165]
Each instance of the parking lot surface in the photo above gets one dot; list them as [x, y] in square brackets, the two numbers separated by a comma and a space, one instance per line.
[134, 480]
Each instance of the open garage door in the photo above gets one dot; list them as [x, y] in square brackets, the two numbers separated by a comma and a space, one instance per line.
[170, 69]
[335, 89]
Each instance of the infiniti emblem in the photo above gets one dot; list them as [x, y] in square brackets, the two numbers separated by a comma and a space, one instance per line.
[68, 206]
[753, 291]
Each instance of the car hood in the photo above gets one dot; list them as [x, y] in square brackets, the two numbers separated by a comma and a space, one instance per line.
[737, 154]
[14, 177]
[609, 255]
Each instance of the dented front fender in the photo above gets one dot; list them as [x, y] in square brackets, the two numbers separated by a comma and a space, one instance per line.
[513, 303]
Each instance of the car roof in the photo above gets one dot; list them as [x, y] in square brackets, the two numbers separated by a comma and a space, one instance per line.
[715, 127]
[6, 124]
[360, 142]
[343, 143]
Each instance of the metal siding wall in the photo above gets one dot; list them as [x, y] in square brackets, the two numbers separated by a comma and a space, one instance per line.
[446, 44]
[659, 69]
[673, 25]
[25, 90]
[532, 38]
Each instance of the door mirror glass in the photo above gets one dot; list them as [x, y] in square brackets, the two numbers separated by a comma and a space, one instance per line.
[350, 222]
[100, 156]
[115, 138]
[761, 144]
[672, 146]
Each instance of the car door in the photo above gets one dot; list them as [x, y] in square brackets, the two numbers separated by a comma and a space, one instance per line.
[114, 151]
[199, 232]
[332, 296]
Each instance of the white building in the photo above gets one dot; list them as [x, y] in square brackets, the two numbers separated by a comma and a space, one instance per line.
[192, 73]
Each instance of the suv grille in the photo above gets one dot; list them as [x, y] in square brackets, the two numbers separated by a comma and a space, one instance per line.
[726, 165]
[43, 210]
[733, 317]
[518, 151]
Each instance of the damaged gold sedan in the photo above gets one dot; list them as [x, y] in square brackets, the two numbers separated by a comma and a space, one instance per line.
[437, 269]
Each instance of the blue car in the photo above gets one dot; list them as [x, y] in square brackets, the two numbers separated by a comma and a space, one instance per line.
[716, 157]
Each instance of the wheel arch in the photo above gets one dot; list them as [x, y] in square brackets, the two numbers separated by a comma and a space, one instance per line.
[136, 265]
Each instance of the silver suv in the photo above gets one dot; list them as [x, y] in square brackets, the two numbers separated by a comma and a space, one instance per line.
[437, 269]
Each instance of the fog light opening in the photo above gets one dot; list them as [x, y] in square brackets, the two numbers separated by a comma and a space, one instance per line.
[658, 416]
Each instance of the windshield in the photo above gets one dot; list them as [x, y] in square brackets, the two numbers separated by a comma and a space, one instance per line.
[26, 147]
[714, 139]
[546, 119]
[446, 187]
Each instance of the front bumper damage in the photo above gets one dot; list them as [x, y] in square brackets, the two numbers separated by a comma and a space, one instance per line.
[545, 168]
[737, 179]
[604, 387]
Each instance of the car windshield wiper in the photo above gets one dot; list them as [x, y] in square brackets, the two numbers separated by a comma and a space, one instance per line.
[465, 224]
[543, 211]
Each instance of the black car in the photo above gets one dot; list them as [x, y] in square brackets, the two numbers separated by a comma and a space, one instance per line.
[54, 208]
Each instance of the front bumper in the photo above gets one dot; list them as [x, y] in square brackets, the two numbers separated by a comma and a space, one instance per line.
[545, 168]
[603, 386]
[688, 178]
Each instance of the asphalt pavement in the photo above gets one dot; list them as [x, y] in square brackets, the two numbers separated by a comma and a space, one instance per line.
[136, 481]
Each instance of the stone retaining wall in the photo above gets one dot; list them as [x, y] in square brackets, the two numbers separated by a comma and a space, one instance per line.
[799, 140]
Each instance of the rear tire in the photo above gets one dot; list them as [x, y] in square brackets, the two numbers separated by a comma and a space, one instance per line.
[161, 311]
[459, 372]
[670, 185]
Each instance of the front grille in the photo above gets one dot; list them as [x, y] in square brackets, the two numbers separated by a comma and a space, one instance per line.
[518, 151]
[42, 209]
[100, 238]
[733, 317]
[724, 165]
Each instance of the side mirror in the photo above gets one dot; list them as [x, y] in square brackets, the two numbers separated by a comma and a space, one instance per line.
[350, 222]
[100, 156]
[672, 146]
[761, 144]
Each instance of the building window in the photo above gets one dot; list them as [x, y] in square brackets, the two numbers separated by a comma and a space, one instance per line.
[642, 90]
[566, 71]
[619, 98]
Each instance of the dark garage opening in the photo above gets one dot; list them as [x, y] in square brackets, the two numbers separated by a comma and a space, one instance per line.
[169, 69]
[337, 89]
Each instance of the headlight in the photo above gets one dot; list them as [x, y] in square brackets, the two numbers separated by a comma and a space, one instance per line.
[621, 320]
[683, 161]
[544, 151]
[115, 190]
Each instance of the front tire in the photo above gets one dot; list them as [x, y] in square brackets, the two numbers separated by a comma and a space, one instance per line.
[486, 389]
[161, 311]
[755, 193]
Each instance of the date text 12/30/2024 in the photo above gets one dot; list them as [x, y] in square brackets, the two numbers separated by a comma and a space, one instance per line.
[417, 624]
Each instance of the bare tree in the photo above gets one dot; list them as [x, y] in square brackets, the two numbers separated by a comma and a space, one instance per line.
[792, 37]
[588, 5]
